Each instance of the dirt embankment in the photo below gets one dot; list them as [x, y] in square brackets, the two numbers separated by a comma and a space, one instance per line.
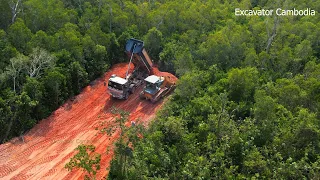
[50, 144]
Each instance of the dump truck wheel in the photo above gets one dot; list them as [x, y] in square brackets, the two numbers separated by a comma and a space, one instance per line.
[141, 95]
[153, 101]
[133, 89]
[126, 96]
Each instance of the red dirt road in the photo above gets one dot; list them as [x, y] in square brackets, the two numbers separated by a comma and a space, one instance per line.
[50, 144]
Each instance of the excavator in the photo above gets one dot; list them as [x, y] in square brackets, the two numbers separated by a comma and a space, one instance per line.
[157, 87]
[120, 88]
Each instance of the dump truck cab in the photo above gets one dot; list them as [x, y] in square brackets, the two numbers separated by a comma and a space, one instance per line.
[119, 87]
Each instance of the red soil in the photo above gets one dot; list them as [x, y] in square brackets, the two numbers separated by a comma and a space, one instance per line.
[50, 144]
[159, 73]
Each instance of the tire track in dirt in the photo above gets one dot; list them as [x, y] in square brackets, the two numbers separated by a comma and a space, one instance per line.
[50, 144]
[73, 133]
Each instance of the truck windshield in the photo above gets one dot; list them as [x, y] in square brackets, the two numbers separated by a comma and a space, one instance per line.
[150, 85]
[115, 85]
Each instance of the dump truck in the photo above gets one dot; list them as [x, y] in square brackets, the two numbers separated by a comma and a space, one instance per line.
[157, 87]
[119, 87]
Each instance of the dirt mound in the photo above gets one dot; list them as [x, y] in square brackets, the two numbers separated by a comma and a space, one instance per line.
[50, 144]
[159, 73]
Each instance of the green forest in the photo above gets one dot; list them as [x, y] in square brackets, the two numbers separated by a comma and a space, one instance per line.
[247, 104]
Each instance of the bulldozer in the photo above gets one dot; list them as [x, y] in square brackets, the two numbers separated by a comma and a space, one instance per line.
[157, 87]
[119, 87]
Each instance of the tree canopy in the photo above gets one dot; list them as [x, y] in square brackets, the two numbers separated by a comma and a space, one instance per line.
[248, 97]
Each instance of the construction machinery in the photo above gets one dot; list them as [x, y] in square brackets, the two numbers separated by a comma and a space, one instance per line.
[157, 87]
[121, 87]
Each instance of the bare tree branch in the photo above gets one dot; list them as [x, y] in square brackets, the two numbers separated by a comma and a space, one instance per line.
[273, 33]
[14, 9]
[40, 60]
[17, 64]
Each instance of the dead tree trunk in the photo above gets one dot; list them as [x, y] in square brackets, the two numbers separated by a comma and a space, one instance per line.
[100, 4]
[273, 33]
[14, 9]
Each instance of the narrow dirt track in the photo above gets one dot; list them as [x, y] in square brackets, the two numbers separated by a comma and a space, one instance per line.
[50, 144]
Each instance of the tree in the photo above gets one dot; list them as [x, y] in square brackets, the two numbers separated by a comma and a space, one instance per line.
[191, 85]
[40, 60]
[183, 62]
[254, 163]
[19, 108]
[153, 42]
[79, 77]
[85, 159]
[88, 17]
[69, 38]
[15, 9]
[167, 56]
[265, 113]
[55, 89]
[14, 70]
[19, 35]
[5, 120]
[6, 50]
[6, 15]
[123, 150]
[303, 51]
[35, 90]
[242, 83]
[128, 137]
[48, 16]
[272, 35]
[95, 57]
[288, 93]
[43, 40]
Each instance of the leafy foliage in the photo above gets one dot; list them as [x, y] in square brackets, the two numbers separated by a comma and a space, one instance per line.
[246, 105]
[124, 148]
[247, 101]
[88, 162]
